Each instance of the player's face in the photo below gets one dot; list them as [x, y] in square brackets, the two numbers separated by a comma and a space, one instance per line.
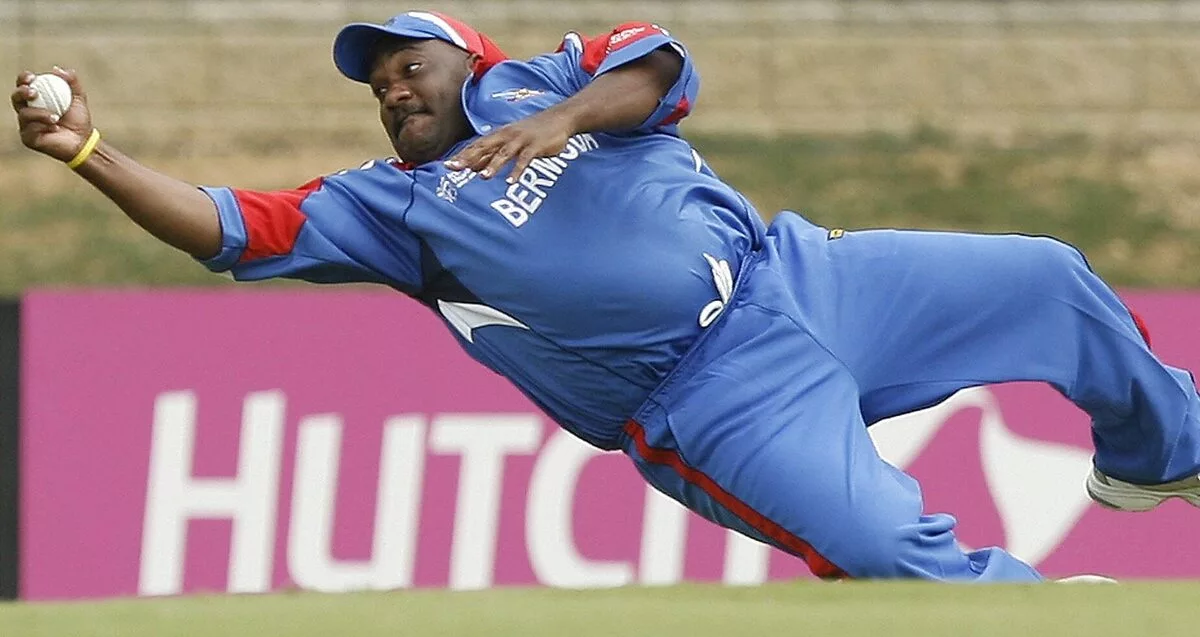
[418, 84]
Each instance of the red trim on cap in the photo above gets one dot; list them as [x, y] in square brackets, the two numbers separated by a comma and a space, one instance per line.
[272, 219]
[471, 36]
[820, 566]
[489, 54]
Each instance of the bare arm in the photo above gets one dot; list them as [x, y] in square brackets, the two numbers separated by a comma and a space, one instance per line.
[619, 100]
[174, 211]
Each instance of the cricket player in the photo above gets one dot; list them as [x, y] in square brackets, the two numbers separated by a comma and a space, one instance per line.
[549, 212]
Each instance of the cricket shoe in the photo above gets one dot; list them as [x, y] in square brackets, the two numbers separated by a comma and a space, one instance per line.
[1124, 496]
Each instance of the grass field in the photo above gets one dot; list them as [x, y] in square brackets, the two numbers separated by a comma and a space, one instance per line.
[1156, 609]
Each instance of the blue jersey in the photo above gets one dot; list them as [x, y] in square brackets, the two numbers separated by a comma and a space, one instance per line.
[583, 283]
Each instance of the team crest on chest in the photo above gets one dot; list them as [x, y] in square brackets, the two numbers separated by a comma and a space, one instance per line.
[450, 183]
[516, 94]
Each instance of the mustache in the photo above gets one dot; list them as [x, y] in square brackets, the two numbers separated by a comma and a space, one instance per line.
[400, 116]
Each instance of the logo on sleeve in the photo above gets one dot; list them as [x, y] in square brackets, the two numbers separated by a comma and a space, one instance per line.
[516, 94]
[632, 33]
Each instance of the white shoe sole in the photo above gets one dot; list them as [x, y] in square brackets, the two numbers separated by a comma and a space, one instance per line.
[1123, 496]
[1086, 579]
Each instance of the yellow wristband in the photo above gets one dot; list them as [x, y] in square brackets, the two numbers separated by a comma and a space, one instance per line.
[86, 151]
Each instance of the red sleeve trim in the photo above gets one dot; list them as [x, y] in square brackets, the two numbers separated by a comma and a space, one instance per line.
[594, 52]
[1141, 326]
[272, 219]
[681, 110]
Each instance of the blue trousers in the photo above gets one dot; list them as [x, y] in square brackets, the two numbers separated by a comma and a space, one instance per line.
[762, 427]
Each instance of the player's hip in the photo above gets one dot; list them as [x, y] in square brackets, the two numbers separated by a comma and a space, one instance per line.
[755, 346]
[757, 358]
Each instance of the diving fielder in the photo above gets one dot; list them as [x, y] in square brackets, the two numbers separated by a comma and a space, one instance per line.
[549, 213]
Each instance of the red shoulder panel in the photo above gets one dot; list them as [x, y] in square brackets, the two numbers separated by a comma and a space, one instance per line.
[273, 219]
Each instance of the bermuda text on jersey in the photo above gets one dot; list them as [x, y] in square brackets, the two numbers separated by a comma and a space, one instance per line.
[533, 185]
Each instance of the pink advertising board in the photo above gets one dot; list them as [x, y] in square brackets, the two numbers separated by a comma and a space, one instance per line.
[180, 442]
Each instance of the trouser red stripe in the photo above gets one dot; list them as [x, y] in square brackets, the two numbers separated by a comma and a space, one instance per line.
[820, 566]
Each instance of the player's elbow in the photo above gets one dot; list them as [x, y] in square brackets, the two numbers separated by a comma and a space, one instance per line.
[665, 65]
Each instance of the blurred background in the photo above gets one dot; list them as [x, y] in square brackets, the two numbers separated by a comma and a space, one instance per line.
[1078, 119]
[1074, 118]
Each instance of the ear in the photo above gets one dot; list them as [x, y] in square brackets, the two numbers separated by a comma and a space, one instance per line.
[473, 61]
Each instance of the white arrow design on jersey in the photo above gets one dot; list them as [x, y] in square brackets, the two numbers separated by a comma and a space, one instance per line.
[467, 317]
[723, 279]
[1036, 485]
[722, 276]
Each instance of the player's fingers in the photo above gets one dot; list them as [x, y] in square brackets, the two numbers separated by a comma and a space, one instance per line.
[481, 155]
[31, 131]
[21, 96]
[476, 154]
[505, 153]
[33, 136]
[72, 78]
[463, 158]
[526, 155]
[473, 160]
[29, 115]
[472, 151]
[26, 113]
[24, 78]
[18, 99]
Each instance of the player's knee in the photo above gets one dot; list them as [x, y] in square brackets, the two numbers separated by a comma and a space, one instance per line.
[923, 550]
[1040, 264]
[1048, 257]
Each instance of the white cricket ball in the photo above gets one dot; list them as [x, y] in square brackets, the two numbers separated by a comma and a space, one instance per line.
[53, 94]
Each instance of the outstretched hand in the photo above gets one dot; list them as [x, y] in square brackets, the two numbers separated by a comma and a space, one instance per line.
[58, 137]
[542, 135]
